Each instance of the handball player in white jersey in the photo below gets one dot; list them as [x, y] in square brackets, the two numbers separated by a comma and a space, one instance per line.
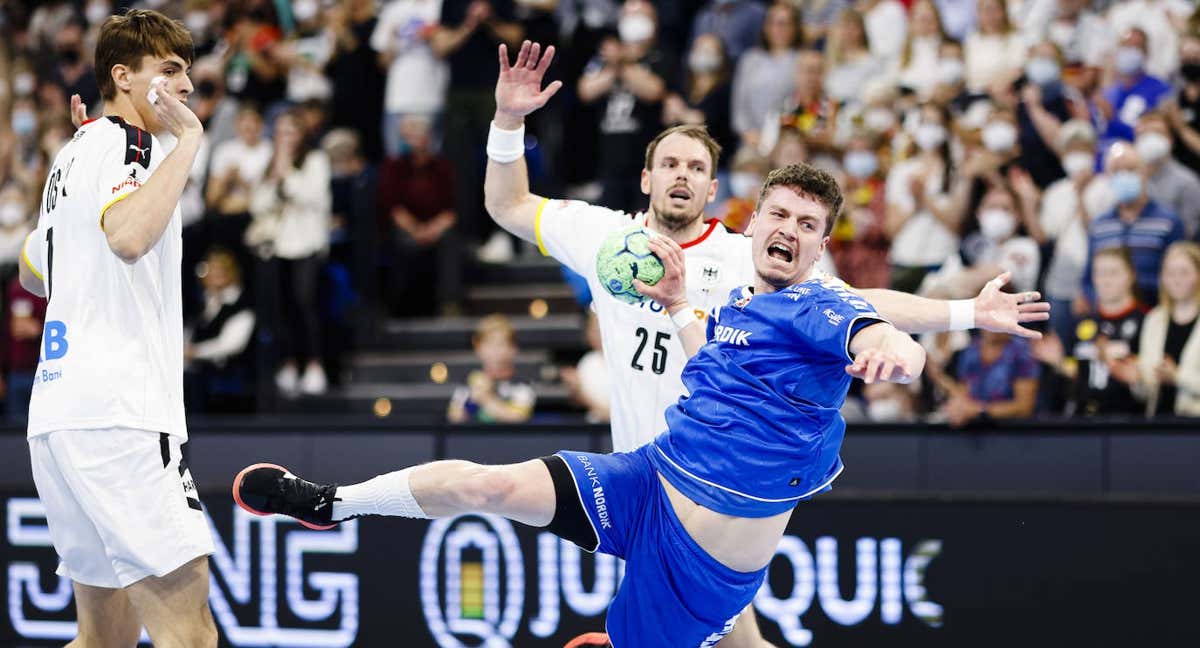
[106, 420]
[641, 341]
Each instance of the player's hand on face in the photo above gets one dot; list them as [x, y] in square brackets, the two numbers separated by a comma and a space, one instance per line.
[519, 89]
[880, 365]
[1003, 312]
[671, 290]
[78, 111]
[174, 115]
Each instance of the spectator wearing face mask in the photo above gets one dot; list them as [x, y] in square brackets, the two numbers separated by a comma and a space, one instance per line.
[1134, 91]
[763, 79]
[995, 49]
[73, 72]
[1085, 38]
[629, 80]
[1159, 19]
[917, 68]
[1183, 114]
[1067, 206]
[705, 96]
[745, 181]
[1137, 222]
[887, 26]
[859, 242]
[1168, 182]
[1045, 103]
[951, 87]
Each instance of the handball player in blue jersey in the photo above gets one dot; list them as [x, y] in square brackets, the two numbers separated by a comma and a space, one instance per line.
[697, 514]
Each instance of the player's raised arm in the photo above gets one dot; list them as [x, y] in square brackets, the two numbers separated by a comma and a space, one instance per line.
[884, 353]
[519, 92]
[991, 310]
[134, 225]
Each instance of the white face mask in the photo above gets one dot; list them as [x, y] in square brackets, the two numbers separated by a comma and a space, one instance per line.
[999, 137]
[196, 21]
[1078, 163]
[997, 224]
[885, 410]
[11, 214]
[702, 61]
[879, 119]
[96, 12]
[23, 84]
[1129, 60]
[635, 28]
[744, 184]
[930, 136]
[860, 164]
[1153, 146]
[950, 71]
[1042, 70]
[304, 10]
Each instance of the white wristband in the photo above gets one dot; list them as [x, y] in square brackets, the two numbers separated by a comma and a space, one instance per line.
[506, 146]
[683, 317]
[962, 314]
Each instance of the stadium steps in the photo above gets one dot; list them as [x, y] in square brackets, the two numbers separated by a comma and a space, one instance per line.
[552, 332]
[521, 299]
[409, 401]
[421, 367]
[521, 270]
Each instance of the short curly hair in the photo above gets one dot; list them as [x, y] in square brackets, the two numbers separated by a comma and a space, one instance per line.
[807, 180]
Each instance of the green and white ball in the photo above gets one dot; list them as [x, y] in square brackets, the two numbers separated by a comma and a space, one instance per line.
[624, 256]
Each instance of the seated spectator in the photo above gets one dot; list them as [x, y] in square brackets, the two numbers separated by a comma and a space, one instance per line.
[492, 393]
[1103, 338]
[996, 377]
[749, 169]
[588, 380]
[763, 78]
[737, 23]
[220, 364]
[859, 243]
[1168, 183]
[1065, 210]
[995, 50]
[850, 64]
[1137, 222]
[917, 68]
[416, 201]
[22, 348]
[951, 87]
[292, 214]
[630, 77]
[808, 110]
[705, 95]
[1045, 102]
[1183, 113]
[1168, 365]
[1134, 91]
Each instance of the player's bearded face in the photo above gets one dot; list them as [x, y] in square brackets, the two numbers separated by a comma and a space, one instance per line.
[680, 182]
[788, 233]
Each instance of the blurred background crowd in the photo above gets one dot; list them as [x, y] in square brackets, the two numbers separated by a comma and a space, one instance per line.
[1058, 140]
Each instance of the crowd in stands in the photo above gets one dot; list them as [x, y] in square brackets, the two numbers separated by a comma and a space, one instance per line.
[1058, 140]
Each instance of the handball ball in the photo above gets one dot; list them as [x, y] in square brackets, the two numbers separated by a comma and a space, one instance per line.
[624, 256]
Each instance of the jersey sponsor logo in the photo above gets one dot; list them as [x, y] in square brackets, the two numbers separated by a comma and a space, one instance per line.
[598, 499]
[715, 638]
[834, 318]
[734, 336]
[141, 150]
[130, 181]
[54, 340]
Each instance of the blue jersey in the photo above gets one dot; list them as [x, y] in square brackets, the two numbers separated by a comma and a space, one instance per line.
[761, 428]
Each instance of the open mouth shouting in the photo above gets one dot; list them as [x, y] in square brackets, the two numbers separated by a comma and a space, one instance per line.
[680, 193]
[781, 251]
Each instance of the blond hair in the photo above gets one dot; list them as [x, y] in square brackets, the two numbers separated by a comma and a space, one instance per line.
[1190, 251]
[494, 324]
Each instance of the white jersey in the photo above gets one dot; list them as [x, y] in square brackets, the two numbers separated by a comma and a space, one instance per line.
[641, 346]
[112, 347]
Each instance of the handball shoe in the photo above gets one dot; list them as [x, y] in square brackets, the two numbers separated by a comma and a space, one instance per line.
[267, 489]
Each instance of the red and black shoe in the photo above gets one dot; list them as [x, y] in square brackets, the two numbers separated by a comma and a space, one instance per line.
[267, 489]
[589, 640]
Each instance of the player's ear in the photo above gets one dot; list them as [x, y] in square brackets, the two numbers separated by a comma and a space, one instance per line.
[712, 189]
[749, 231]
[122, 77]
[646, 181]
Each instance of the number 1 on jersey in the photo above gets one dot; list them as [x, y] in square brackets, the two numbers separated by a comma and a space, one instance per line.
[49, 261]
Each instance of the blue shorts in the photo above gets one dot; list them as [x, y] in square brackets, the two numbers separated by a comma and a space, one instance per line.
[674, 593]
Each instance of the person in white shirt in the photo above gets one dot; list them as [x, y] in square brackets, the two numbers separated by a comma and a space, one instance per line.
[887, 27]
[416, 78]
[106, 420]
[641, 341]
[917, 67]
[236, 167]
[995, 51]
[292, 209]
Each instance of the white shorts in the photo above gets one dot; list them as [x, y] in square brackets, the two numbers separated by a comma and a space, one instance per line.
[120, 503]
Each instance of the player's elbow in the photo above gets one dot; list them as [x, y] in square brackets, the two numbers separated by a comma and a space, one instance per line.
[30, 282]
[127, 248]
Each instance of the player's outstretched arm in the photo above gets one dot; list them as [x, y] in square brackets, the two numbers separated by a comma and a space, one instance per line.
[519, 92]
[134, 225]
[992, 310]
[884, 353]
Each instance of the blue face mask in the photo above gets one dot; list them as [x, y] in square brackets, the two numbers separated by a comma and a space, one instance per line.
[1126, 186]
[24, 122]
[1042, 70]
[860, 164]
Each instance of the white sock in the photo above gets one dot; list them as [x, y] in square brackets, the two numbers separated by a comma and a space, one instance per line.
[384, 495]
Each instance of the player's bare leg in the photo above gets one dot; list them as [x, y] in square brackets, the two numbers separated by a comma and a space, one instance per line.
[522, 492]
[107, 619]
[174, 608]
[745, 633]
